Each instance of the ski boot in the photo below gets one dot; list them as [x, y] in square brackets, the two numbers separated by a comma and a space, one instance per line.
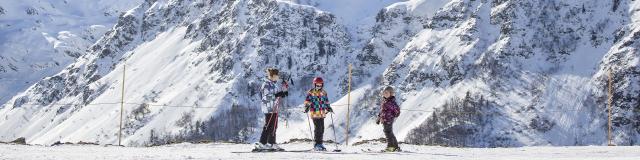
[319, 147]
[392, 149]
[259, 147]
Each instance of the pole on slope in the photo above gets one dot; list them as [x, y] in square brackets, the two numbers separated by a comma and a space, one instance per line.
[348, 107]
[287, 81]
[309, 123]
[610, 99]
[275, 122]
[276, 110]
[124, 69]
[335, 138]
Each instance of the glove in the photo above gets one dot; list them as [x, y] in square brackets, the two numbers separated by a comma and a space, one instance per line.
[282, 94]
[306, 108]
[329, 109]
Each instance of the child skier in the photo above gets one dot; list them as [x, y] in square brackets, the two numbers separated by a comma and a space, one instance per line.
[272, 92]
[318, 103]
[388, 113]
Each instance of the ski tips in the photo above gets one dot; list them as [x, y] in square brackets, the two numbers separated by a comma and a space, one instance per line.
[337, 150]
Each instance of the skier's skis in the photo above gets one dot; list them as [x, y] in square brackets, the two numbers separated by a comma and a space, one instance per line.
[306, 150]
[293, 151]
[267, 150]
[321, 152]
[383, 151]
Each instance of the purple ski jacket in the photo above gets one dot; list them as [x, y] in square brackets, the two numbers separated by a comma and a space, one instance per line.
[390, 110]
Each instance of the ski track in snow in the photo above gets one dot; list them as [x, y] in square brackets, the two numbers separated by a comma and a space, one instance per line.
[242, 151]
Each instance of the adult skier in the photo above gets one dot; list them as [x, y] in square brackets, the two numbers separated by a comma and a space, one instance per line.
[272, 93]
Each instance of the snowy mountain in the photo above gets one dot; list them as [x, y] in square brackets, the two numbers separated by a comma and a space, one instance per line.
[480, 73]
[40, 38]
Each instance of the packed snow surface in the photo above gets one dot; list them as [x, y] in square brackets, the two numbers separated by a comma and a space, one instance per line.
[242, 151]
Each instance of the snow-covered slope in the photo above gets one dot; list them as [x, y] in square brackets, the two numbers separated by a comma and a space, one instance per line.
[218, 53]
[351, 12]
[468, 72]
[40, 38]
[241, 151]
[534, 73]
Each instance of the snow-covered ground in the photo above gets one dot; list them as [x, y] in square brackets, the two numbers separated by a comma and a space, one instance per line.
[242, 151]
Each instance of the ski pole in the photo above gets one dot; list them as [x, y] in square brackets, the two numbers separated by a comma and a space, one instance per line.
[334, 134]
[309, 123]
[277, 108]
[271, 118]
[276, 112]
[286, 103]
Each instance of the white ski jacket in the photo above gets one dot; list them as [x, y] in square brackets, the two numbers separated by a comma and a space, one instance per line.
[268, 92]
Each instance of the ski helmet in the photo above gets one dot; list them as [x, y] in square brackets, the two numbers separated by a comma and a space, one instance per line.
[318, 80]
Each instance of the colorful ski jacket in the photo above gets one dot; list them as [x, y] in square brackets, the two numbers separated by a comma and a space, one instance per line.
[318, 103]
